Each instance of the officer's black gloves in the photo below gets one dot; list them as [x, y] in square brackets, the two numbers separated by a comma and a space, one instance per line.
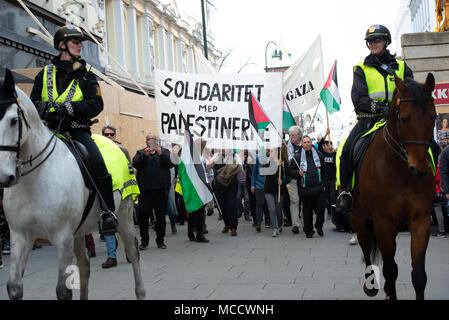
[379, 107]
[63, 109]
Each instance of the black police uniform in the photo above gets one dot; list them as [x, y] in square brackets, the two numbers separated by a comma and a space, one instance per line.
[368, 111]
[78, 124]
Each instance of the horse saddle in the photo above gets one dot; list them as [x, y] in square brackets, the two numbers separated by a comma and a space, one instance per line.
[359, 147]
[85, 158]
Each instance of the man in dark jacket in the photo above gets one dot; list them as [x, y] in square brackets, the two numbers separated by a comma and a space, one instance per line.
[310, 179]
[153, 176]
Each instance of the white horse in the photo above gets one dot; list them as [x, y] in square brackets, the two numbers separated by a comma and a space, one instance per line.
[48, 201]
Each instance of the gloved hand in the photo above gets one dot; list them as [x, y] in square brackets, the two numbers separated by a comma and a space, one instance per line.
[61, 109]
[379, 107]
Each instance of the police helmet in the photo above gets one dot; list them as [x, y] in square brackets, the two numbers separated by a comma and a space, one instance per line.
[376, 31]
[65, 33]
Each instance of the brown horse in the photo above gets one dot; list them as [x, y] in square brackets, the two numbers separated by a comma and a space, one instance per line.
[396, 185]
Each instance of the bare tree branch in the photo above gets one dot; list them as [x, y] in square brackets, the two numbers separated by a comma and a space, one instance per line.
[247, 63]
[224, 57]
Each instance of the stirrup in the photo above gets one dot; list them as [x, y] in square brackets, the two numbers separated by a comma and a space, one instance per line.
[109, 222]
[344, 201]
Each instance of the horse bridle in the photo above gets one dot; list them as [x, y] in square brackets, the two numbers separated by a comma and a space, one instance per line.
[16, 148]
[399, 147]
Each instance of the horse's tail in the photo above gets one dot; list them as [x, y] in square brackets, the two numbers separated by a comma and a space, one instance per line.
[373, 247]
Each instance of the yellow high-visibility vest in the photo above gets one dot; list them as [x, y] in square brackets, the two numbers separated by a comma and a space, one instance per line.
[77, 96]
[380, 88]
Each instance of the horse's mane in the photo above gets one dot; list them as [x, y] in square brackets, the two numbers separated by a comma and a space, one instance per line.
[417, 90]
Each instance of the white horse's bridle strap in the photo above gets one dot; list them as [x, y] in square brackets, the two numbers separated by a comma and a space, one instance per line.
[16, 148]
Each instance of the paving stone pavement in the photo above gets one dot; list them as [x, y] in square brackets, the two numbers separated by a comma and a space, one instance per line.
[251, 266]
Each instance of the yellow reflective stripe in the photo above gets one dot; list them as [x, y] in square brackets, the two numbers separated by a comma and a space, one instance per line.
[377, 95]
[432, 162]
[44, 94]
[376, 126]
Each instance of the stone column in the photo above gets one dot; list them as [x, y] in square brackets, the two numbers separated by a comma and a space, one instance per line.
[132, 38]
[148, 45]
[190, 59]
[161, 44]
[119, 23]
[180, 52]
[170, 50]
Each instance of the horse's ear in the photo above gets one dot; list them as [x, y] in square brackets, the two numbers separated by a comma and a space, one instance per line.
[400, 85]
[8, 84]
[429, 86]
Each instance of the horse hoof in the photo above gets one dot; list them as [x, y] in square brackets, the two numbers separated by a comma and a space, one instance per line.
[15, 291]
[370, 292]
[63, 293]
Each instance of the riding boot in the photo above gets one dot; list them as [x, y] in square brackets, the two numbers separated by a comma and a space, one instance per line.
[108, 220]
[344, 199]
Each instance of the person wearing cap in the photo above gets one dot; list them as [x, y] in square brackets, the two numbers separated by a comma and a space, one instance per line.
[67, 96]
[372, 91]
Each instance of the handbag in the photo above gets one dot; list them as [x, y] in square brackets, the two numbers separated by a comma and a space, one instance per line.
[226, 174]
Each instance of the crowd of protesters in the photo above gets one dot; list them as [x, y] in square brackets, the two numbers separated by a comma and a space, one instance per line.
[293, 186]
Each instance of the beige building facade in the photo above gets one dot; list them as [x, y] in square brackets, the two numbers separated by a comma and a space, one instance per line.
[136, 38]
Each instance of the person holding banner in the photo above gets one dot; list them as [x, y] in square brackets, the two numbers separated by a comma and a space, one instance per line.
[372, 91]
[294, 146]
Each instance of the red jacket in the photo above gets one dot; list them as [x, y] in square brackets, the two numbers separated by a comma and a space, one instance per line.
[438, 179]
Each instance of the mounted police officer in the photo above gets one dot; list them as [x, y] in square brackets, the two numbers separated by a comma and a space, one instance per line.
[67, 96]
[372, 92]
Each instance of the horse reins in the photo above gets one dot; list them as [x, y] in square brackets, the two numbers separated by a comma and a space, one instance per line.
[16, 148]
[402, 153]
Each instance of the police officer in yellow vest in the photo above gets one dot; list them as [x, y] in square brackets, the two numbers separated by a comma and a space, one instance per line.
[372, 91]
[67, 95]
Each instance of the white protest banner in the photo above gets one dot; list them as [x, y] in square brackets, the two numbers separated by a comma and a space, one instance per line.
[304, 80]
[215, 107]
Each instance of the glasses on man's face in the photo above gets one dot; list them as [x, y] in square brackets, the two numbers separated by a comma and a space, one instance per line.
[109, 134]
[76, 41]
[374, 40]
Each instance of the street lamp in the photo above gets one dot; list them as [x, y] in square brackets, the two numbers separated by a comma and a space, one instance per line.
[276, 54]
[204, 30]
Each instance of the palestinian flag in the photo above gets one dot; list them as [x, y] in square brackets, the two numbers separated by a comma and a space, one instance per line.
[192, 175]
[329, 94]
[257, 116]
[287, 117]
[258, 119]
